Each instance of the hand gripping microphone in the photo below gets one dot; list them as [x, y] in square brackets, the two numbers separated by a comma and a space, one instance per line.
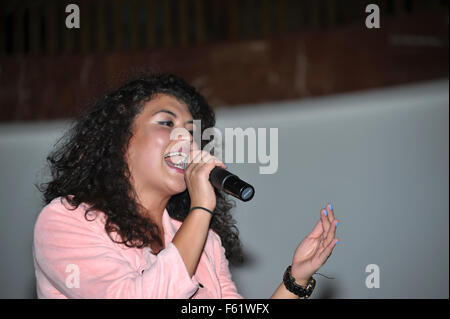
[229, 183]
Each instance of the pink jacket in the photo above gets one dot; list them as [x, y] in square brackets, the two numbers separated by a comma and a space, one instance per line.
[75, 258]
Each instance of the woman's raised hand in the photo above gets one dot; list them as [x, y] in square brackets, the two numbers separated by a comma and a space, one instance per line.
[315, 248]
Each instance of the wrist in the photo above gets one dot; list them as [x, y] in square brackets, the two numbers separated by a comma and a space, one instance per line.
[202, 204]
[298, 286]
[202, 209]
[302, 282]
[282, 293]
[300, 279]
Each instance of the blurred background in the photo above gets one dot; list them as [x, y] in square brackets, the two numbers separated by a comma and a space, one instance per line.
[362, 118]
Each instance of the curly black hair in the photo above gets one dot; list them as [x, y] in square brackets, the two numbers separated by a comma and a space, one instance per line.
[89, 164]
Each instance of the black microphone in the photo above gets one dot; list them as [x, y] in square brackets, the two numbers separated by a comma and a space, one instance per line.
[229, 183]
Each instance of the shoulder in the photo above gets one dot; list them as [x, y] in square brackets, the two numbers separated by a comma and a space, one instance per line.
[60, 216]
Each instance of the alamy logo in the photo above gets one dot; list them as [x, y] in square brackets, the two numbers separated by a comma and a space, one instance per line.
[373, 19]
[73, 279]
[73, 19]
[256, 150]
[373, 280]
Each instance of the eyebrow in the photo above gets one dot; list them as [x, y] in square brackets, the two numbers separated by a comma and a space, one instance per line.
[171, 113]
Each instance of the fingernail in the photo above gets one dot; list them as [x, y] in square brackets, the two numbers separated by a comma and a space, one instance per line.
[331, 207]
[337, 242]
[337, 223]
[325, 212]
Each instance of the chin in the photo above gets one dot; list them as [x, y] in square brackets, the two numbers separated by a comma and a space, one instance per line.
[177, 189]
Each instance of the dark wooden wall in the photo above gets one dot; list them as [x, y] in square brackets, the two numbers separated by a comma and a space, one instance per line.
[234, 52]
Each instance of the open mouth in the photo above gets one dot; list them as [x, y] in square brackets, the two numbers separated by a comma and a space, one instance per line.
[176, 160]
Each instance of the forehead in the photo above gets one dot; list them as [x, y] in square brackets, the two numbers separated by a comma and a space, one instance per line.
[166, 102]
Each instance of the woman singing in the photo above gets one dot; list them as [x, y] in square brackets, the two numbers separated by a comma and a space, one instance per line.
[125, 217]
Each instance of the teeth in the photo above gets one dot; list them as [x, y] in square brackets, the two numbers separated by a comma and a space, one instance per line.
[180, 166]
[183, 159]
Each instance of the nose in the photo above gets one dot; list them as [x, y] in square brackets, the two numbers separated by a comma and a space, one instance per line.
[187, 137]
[182, 140]
[180, 134]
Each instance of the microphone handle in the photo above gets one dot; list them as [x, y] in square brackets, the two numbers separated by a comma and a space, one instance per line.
[231, 184]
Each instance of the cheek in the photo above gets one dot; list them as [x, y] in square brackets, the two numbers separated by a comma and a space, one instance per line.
[146, 151]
